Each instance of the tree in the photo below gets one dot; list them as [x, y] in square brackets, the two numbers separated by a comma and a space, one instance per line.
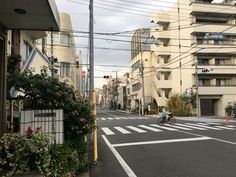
[40, 91]
[180, 105]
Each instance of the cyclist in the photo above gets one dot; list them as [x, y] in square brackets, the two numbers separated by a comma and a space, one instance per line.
[164, 114]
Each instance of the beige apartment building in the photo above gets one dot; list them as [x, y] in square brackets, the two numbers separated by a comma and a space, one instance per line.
[140, 80]
[191, 37]
[62, 46]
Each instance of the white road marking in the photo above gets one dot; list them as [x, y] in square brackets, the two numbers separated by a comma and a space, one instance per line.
[124, 165]
[110, 118]
[227, 128]
[163, 127]
[150, 128]
[162, 141]
[193, 127]
[122, 130]
[117, 118]
[204, 126]
[107, 131]
[231, 126]
[179, 127]
[103, 118]
[136, 129]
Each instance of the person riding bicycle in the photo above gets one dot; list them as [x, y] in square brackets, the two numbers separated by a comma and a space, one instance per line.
[164, 114]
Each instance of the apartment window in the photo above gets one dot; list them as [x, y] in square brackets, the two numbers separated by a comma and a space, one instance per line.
[136, 87]
[202, 61]
[204, 82]
[65, 39]
[65, 69]
[220, 82]
[136, 66]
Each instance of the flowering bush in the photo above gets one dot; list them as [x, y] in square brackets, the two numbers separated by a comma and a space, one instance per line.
[21, 155]
[40, 91]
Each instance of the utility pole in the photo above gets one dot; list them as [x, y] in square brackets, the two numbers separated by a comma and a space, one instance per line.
[92, 93]
[196, 82]
[143, 91]
[91, 50]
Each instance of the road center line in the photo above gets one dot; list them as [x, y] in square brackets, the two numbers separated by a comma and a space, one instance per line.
[162, 141]
[124, 165]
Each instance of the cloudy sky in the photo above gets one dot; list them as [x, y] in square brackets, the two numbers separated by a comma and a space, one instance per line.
[111, 16]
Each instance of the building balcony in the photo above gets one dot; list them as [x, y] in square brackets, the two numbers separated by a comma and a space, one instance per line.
[161, 50]
[213, 49]
[210, 2]
[164, 84]
[162, 34]
[200, 6]
[213, 28]
[216, 90]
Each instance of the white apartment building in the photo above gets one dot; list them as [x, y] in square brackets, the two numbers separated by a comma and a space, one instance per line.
[62, 46]
[140, 79]
[201, 32]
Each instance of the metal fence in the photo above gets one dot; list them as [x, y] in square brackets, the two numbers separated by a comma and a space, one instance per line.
[49, 122]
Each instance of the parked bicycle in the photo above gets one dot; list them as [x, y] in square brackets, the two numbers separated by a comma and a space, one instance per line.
[169, 118]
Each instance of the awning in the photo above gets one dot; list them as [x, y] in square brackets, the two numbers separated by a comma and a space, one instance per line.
[41, 15]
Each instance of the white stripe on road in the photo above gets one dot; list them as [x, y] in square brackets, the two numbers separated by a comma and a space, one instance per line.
[117, 118]
[179, 127]
[110, 118]
[163, 127]
[103, 118]
[204, 126]
[162, 141]
[150, 128]
[107, 131]
[122, 130]
[136, 129]
[125, 166]
[227, 128]
[193, 127]
[231, 126]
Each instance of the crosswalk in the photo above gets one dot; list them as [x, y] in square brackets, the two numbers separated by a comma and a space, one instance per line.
[129, 129]
[120, 118]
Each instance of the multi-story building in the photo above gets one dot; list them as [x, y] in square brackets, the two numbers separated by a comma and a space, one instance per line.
[62, 46]
[194, 36]
[140, 83]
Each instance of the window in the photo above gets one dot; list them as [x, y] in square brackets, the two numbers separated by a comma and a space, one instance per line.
[204, 82]
[65, 69]
[65, 39]
[202, 61]
[136, 87]
[220, 82]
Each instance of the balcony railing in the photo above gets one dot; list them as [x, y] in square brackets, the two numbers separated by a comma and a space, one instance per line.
[212, 85]
[211, 2]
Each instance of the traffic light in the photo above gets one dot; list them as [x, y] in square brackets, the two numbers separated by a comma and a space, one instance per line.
[105, 77]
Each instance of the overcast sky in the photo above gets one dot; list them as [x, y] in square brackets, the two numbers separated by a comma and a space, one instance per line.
[110, 16]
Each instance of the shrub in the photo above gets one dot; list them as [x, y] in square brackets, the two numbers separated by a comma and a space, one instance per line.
[13, 154]
[22, 155]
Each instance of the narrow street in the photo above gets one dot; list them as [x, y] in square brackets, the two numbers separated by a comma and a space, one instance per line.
[132, 145]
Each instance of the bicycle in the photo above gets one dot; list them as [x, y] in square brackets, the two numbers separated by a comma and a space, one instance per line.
[170, 119]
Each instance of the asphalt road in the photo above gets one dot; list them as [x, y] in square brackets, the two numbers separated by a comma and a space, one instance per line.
[136, 146]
